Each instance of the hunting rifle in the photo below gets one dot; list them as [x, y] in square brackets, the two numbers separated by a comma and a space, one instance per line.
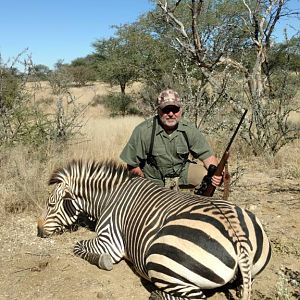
[206, 188]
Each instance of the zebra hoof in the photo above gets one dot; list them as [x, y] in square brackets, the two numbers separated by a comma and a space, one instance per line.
[105, 262]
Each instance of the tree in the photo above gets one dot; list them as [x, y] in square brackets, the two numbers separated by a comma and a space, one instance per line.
[133, 54]
[231, 44]
[81, 74]
[198, 45]
[60, 79]
[119, 104]
[286, 55]
[9, 89]
[22, 120]
[116, 64]
[41, 72]
[84, 69]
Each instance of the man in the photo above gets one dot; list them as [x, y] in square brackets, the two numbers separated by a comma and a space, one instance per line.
[159, 147]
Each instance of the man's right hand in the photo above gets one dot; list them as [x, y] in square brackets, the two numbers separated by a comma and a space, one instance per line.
[135, 170]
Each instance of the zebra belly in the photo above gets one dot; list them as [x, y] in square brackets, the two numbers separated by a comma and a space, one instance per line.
[191, 253]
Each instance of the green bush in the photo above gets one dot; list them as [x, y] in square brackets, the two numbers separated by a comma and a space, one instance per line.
[22, 120]
[9, 89]
[119, 104]
[60, 80]
[82, 75]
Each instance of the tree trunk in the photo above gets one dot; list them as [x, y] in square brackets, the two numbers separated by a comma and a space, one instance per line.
[123, 87]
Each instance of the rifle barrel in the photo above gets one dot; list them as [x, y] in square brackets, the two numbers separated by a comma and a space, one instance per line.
[236, 130]
[210, 189]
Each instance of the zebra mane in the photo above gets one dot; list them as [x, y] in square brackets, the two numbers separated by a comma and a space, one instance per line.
[88, 168]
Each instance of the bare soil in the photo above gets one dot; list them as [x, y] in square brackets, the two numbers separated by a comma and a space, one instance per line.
[35, 268]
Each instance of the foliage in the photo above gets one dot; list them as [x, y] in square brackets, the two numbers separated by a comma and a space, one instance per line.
[81, 75]
[115, 66]
[60, 79]
[80, 72]
[40, 72]
[119, 104]
[9, 86]
[286, 55]
[84, 70]
[227, 61]
[19, 122]
[133, 54]
[273, 126]
[22, 121]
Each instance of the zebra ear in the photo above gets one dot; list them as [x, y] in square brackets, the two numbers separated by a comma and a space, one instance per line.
[55, 178]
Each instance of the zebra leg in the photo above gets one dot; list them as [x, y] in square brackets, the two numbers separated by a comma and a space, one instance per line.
[156, 295]
[102, 260]
[160, 295]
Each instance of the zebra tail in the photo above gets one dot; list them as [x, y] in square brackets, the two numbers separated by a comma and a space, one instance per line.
[245, 265]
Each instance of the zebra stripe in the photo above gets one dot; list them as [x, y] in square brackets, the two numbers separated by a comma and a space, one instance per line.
[182, 243]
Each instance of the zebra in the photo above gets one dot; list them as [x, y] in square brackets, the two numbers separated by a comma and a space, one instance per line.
[184, 244]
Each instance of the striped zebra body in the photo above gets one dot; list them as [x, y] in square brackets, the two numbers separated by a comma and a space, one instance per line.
[182, 243]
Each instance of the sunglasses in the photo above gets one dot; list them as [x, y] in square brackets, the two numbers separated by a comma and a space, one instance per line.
[170, 108]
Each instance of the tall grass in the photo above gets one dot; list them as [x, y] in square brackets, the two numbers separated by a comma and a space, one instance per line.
[104, 138]
[25, 171]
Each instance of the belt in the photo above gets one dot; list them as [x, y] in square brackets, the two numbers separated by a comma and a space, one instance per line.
[172, 176]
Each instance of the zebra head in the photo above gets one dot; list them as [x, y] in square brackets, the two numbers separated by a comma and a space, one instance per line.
[62, 210]
[80, 193]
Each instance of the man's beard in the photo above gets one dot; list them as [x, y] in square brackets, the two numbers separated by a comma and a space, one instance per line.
[170, 122]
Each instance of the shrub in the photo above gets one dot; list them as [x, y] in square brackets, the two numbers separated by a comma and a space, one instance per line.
[82, 75]
[60, 80]
[119, 104]
[22, 121]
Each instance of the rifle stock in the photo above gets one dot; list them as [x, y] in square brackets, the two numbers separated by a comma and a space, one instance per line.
[209, 191]
[206, 188]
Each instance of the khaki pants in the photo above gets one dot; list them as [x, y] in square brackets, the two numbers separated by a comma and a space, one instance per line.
[196, 173]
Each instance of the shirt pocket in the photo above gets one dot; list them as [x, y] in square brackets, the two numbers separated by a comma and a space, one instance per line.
[159, 154]
[182, 152]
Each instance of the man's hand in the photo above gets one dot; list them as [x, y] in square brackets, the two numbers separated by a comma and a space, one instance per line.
[135, 170]
[212, 160]
[216, 180]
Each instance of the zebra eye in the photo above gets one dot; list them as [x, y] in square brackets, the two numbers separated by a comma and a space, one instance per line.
[51, 204]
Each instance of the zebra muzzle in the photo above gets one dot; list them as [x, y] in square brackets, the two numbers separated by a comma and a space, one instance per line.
[41, 233]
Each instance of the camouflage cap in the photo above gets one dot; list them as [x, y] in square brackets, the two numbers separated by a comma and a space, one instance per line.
[168, 97]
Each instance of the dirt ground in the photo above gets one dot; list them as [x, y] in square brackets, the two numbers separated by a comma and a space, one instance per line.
[35, 268]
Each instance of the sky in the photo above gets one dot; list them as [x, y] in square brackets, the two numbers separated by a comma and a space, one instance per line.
[61, 29]
[50, 30]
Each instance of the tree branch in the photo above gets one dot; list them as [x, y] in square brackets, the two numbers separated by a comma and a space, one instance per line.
[170, 15]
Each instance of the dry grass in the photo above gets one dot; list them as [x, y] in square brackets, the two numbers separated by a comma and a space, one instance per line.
[22, 180]
[267, 183]
[41, 93]
[105, 137]
[24, 171]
